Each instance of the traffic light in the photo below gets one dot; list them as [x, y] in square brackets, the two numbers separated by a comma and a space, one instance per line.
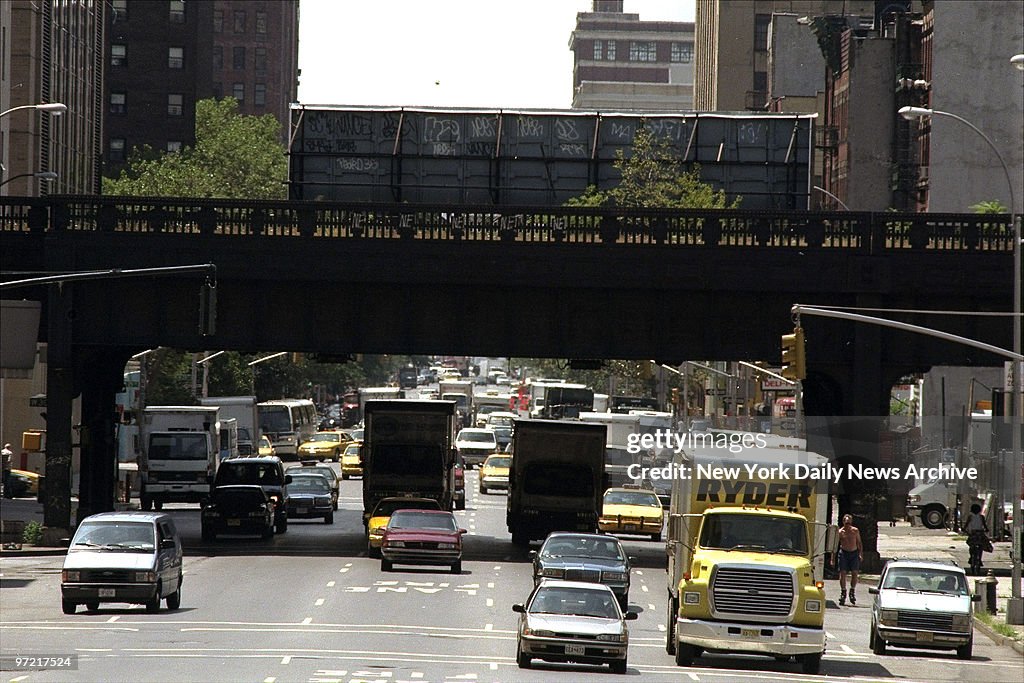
[675, 396]
[794, 362]
[208, 309]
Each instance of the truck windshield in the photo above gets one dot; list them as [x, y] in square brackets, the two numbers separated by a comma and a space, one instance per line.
[182, 446]
[461, 400]
[406, 460]
[558, 479]
[754, 532]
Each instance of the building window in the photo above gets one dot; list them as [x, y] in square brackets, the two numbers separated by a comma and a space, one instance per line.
[117, 149]
[598, 50]
[238, 92]
[119, 10]
[682, 52]
[175, 57]
[177, 13]
[643, 51]
[609, 52]
[218, 21]
[174, 145]
[218, 90]
[761, 23]
[261, 22]
[117, 102]
[218, 56]
[260, 60]
[238, 58]
[239, 16]
[174, 103]
[259, 94]
[118, 55]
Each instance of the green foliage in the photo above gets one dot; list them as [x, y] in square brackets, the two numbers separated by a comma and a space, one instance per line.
[234, 156]
[654, 177]
[168, 378]
[32, 534]
[990, 206]
[629, 377]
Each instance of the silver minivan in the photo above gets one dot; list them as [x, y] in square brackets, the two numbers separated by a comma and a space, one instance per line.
[132, 557]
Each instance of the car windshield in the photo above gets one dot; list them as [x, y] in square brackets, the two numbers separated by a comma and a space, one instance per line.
[352, 450]
[925, 580]
[581, 602]
[749, 532]
[631, 498]
[498, 462]
[583, 546]
[262, 474]
[309, 484]
[411, 519]
[324, 436]
[477, 437]
[128, 536]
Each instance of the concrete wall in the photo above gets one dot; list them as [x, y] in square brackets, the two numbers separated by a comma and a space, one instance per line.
[957, 401]
[871, 124]
[973, 78]
[796, 66]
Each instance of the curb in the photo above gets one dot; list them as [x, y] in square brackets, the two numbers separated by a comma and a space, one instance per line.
[998, 638]
[33, 551]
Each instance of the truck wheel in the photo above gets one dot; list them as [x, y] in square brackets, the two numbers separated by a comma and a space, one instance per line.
[520, 539]
[684, 654]
[146, 503]
[281, 525]
[933, 517]
[811, 664]
[670, 626]
[174, 599]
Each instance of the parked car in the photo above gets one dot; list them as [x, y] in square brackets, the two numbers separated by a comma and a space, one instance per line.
[922, 605]
[266, 472]
[494, 472]
[422, 537]
[631, 510]
[352, 460]
[325, 446]
[309, 496]
[381, 514]
[238, 509]
[570, 621]
[325, 471]
[133, 557]
[474, 445]
[459, 498]
[596, 558]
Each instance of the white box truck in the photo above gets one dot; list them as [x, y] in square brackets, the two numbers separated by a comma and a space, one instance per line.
[243, 409]
[180, 454]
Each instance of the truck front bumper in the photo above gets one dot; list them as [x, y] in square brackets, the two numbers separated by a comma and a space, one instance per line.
[766, 639]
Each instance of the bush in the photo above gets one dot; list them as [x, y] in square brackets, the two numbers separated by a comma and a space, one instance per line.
[33, 533]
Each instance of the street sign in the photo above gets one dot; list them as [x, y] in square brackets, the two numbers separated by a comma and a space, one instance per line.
[1008, 375]
[773, 384]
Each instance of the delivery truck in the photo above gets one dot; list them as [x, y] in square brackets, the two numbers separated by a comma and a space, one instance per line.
[180, 454]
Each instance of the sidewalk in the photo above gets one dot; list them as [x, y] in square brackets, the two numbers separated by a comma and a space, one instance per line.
[14, 515]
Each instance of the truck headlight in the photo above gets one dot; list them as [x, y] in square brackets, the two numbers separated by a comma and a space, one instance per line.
[145, 577]
[914, 499]
[888, 616]
[553, 573]
[691, 598]
[961, 622]
[812, 605]
[70, 576]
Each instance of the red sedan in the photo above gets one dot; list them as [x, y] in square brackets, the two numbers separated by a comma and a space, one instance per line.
[422, 537]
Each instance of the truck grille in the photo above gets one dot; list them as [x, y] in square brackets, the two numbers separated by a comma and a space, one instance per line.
[173, 476]
[588, 575]
[107, 576]
[752, 592]
[924, 621]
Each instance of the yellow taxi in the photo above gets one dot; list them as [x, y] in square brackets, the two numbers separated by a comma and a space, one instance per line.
[265, 447]
[381, 515]
[327, 445]
[23, 483]
[631, 510]
[352, 460]
[494, 472]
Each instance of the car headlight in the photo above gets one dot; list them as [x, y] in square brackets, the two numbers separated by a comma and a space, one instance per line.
[961, 622]
[145, 577]
[539, 633]
[813, 605]
[396, 544]
[691, 598]
[323, 500]
[554, 573]
[70, 575]
[612, 637]
[446, 546]
[614, 576]
[888, 616]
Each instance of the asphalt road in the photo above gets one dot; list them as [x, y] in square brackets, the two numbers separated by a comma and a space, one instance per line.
[309, 605]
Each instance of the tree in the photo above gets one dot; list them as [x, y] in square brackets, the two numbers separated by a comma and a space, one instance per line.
[989, 206]
[654, 177]
[235, 157]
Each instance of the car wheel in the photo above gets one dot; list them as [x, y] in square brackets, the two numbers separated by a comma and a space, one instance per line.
[68, 607]
[385, 565]
[523, 659]
[933, 517]
[878, 646]
[372, 552]
[871, 638]
[92, 606]
[965, 651]
[811, 664]
[281, 526]
[174, 599]
[684, 654]
[334, 504]
[329, 518]
[457, 567]
[618, 667]
[154, 604]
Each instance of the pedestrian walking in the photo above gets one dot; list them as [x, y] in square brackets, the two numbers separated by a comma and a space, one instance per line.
[7, 455]
[977, 538]
[851, 554]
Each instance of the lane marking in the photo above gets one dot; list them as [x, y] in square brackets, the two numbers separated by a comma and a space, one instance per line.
[305, 622]
[829, 635]
[111, 620]
[497, 567]
[19, 678]
[645, 589]
[94, 649]
[330, 584]
[848, 650]
[269, 679]
[286, 659]
[493, 666]
[638, 572]
[416, 674]
[661, 627]
[650, 606]
[490, 602]
[319, 602]
[489, 627]
[693, 676]
[343, 570]
[490, 584]
[348, 564]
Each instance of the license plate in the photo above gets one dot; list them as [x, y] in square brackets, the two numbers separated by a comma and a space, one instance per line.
[924, 636]
[234, 522]
[630, 527]
[302, 511]
[107, 592]
[750, 632]
[575, 649]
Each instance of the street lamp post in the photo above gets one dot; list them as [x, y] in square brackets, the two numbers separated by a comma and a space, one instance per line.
[41, 175]
[52, 108]
[1015, 606]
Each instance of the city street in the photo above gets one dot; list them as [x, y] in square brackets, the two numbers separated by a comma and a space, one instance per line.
[311, 606]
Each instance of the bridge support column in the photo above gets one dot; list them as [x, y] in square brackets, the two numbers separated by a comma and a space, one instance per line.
[102, 376]
[60, 383]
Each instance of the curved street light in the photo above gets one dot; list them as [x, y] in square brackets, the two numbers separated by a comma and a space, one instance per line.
[41, 175]
[52, 108]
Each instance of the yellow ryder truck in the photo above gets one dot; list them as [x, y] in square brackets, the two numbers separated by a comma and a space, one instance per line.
[746, 540]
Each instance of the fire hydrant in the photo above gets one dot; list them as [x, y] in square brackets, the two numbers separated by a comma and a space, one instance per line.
[986, 588]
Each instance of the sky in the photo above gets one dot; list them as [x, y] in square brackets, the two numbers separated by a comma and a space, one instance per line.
[447, 53]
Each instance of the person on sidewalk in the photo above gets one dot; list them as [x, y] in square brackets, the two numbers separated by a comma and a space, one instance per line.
[851, 553]
[7, 456]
